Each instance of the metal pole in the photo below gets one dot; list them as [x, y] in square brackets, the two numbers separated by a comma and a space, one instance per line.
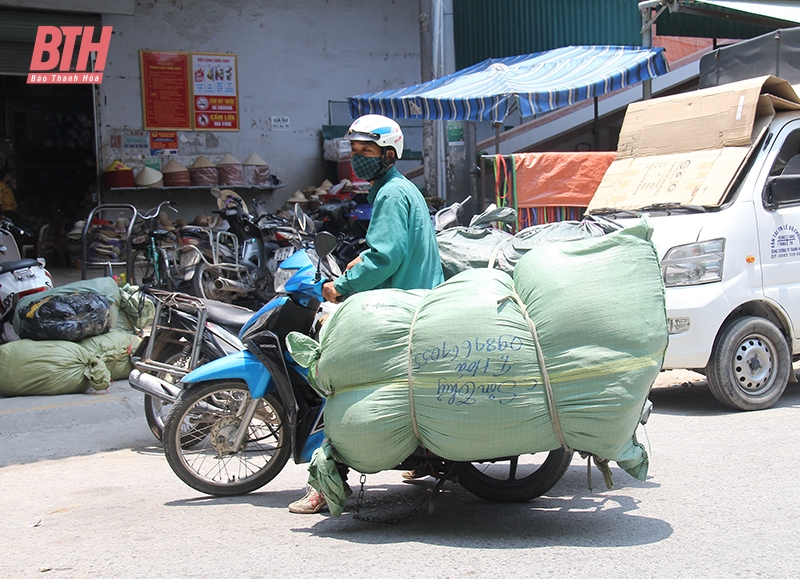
[647, 42]
[426, 66]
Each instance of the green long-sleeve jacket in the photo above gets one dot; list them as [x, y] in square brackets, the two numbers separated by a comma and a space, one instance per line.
[402, 252]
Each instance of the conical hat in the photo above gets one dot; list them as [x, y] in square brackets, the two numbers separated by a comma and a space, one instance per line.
[325, 185]
[201, 162]
[149, 177]
[173, 167]
[254, 159]
[228, 159]
[117, 165]
[297, 197]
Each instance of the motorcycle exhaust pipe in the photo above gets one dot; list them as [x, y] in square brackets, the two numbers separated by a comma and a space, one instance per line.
[229, 285]
[153, 386]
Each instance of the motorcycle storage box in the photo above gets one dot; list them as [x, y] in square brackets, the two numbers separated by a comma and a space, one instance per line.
[463, 369]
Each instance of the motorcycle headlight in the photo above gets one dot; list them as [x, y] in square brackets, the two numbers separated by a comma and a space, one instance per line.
[693, 264]
[281, 277]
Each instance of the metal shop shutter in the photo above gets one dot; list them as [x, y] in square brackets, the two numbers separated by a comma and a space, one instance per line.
[18, 33]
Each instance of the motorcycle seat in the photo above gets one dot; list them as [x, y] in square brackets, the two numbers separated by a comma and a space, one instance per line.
[227, 314]
[18, 264]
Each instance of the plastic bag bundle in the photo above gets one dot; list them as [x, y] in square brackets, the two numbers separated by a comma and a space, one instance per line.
[486, 366]
[463, 248]
[125, 311]
[69, 317]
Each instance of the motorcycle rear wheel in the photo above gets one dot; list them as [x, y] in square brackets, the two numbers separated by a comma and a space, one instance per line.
[208, 465]
[516, 479]
[168, 350]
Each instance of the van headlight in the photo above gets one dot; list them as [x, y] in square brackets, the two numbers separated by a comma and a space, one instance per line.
[693, 264]
[281, 277]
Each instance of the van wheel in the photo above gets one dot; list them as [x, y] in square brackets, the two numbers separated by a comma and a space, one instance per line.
[750, 364]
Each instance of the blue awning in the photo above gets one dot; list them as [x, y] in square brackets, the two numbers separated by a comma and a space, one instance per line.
[534, 83]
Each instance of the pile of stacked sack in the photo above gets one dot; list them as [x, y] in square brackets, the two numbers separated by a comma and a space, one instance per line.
[561, 353]
[75, 337]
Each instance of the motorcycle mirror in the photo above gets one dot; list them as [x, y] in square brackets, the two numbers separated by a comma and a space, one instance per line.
[304, 223]
[324, 244]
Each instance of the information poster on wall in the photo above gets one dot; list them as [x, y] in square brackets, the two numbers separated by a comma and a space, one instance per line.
[166, 92]
[163, 143]
[215, 100]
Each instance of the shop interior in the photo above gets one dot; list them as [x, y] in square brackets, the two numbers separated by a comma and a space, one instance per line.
[47, 137]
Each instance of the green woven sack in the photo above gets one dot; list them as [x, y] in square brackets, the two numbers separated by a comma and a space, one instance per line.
[464, 369]
[45, 367]
[115, 349]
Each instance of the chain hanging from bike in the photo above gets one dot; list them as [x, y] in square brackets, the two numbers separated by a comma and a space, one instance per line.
[430, 495]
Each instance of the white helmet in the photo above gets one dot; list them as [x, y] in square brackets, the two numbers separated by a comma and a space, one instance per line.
[379, 129]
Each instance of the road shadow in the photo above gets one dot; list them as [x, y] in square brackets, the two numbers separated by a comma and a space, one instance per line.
[693, 398]
[569, 515]
[460, 519]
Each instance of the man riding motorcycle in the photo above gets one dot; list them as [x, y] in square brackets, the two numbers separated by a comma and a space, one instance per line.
[402, 251]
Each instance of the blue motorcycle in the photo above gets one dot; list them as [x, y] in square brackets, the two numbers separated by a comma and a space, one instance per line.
[240, 418]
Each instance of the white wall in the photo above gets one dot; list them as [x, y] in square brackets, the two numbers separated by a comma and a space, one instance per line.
[293, 57]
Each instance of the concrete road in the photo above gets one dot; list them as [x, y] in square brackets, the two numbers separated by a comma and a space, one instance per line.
[720, 500]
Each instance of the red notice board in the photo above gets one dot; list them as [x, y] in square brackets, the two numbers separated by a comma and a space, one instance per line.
[166, 91]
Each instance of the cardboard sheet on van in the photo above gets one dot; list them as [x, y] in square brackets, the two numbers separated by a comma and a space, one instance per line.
[689, 148]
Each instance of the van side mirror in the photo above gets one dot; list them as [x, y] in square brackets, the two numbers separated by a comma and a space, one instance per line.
[781, 190]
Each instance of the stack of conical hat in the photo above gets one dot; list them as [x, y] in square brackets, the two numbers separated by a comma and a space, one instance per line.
[256, 171]
[117, 174]
[230, 171]
[149, 177]
[176, 175]
[203, 173]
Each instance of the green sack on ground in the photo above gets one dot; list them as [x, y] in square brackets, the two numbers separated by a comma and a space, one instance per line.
[462, 370]
[115, 349]
[136, 309]
[35, 368]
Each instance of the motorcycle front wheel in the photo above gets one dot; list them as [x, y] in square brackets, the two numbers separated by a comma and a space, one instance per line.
[211, 412]
[515, 479]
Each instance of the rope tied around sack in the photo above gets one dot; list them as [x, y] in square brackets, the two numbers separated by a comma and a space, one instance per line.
[548, 389]
[412, 409]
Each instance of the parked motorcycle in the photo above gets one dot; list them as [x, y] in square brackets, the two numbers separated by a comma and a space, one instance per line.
[18, 277]
[186, 332]
[241, 417]
[341, 218]
[249, 273]
[447, 217]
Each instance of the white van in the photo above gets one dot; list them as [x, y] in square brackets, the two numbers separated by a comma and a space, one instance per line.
[726, 218]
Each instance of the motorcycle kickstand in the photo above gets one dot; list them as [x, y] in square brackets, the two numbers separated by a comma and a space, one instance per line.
[438, 489]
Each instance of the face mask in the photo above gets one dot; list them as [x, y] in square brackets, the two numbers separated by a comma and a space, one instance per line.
[366, 168]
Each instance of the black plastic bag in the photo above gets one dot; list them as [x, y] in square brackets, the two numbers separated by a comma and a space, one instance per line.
[69, 317]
